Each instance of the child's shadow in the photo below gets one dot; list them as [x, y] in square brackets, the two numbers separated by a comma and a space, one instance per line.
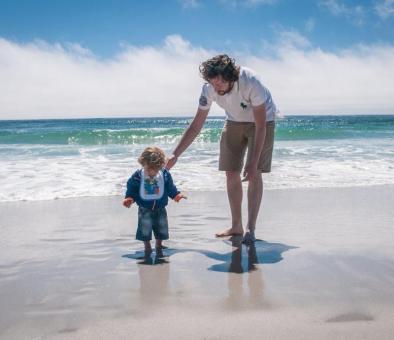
[152, 258]
[233, 262]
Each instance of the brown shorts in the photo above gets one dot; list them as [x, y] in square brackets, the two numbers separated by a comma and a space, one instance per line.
[239, 136]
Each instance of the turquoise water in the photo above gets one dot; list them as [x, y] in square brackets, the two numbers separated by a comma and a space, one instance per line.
[47, 159]
[148, 130]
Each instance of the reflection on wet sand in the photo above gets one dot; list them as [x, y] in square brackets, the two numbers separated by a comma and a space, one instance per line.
[154, 280]
[153, 270]
[154, 277]
[237, 295]
[235, 263]
[259, 252]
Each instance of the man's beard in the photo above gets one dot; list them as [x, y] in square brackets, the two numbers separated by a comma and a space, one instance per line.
[222, 93]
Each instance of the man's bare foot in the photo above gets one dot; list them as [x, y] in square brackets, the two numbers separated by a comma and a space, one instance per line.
[249, 237]
[229, 232]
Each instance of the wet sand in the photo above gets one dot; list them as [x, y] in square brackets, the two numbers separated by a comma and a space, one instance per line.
[323, 268]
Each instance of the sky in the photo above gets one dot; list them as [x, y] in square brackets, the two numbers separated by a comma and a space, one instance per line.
[126, 58]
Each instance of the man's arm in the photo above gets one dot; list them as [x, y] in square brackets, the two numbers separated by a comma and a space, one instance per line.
[259, 114]
[188, 137]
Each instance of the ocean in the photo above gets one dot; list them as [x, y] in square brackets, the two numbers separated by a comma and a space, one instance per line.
[51, 159]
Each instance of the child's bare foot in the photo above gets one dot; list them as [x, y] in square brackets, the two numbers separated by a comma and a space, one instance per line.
[159, 253]
[230, 232]
[159, 244]
[147, 256]
[147, 246]
[159, 249]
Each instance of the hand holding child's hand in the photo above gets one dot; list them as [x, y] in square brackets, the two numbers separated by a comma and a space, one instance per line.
[171, 162]
[127, 202]
[179, 197]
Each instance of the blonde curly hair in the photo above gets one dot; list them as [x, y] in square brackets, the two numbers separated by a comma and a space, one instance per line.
[152, 157]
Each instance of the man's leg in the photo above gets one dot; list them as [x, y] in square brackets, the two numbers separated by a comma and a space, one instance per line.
[255, 185]
[255, 194]
[234, 193]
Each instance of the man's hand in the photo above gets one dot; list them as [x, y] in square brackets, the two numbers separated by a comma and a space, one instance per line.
[250, 171]
[259, 115]
[171, 162]
[127, 202]
[188, 137]
[179, 197]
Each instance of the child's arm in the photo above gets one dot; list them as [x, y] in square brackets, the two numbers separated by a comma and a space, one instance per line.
[172, 190]
[127, 202]
[132, 190]
[178, 197]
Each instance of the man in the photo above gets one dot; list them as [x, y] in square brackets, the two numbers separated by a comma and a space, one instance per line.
[250, 122]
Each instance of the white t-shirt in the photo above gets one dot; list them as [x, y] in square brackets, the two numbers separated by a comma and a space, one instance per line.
[248, 91]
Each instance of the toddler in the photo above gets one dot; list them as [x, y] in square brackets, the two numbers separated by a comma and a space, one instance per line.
[150, 188]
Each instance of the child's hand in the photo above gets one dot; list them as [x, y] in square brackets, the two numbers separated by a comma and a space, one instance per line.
[179, 197]
[127, 202]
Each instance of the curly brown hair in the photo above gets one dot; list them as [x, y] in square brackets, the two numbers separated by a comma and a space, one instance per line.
[220, 65]
[152, 157]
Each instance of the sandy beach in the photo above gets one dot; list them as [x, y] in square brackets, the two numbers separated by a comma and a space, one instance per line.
[323, 268]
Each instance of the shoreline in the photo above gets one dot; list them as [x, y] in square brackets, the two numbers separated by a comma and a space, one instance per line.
[244, 186]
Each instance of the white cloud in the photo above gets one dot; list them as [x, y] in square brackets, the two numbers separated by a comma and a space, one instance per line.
[189, 3]
[355, 13]
[40, 80]
[260, 2]
[292, 39]
[335, 7]
[358, 80]
[310, 25]
[247, 3]
[385, 9]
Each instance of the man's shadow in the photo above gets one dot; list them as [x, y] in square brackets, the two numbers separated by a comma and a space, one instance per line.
[258, 252]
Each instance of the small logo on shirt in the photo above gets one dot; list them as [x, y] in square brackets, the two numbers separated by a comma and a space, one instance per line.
[244, 106]
[203, 101]
[151, 186]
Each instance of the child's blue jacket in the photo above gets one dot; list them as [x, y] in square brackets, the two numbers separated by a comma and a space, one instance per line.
[133, 190]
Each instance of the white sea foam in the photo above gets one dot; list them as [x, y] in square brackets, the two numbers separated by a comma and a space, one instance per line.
[42, 172]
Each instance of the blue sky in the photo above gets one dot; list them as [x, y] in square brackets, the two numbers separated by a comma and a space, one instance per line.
[104, 26]
[317, 57]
